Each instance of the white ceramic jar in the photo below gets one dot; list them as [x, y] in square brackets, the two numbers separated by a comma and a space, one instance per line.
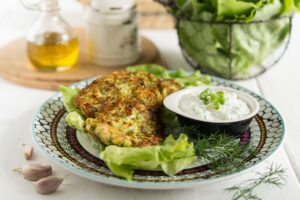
[112, 32]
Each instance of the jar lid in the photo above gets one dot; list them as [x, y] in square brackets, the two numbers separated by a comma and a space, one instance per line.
[108, 6]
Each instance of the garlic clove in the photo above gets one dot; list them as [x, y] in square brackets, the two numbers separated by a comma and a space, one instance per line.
[34, 172]
[48, 184]
[28, 151]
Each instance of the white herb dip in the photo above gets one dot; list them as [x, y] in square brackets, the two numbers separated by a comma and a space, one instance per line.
[234, 108]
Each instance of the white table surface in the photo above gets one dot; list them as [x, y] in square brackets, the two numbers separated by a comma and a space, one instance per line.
[280, 86]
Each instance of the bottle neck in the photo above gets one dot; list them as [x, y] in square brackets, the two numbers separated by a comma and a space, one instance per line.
[49, 6]
[50, 12]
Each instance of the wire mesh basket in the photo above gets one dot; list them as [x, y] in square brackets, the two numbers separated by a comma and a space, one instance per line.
[218, 47]
[231, 49]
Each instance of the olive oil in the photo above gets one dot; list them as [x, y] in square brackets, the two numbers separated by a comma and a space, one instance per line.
[51, 52]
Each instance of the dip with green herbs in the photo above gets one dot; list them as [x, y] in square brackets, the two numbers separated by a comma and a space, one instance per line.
[214, 105]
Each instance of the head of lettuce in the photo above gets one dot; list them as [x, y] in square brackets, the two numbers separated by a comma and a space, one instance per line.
[232, 38]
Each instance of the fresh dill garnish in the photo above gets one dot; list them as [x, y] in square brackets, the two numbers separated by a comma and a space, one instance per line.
[221, 150]
[225, 153]
[274, 175]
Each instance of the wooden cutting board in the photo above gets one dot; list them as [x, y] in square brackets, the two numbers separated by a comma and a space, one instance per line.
[15, 66]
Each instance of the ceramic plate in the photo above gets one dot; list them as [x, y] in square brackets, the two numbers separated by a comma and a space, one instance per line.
[77, 154]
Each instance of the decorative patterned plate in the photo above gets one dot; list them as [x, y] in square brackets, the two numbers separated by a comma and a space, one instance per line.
[75, 153]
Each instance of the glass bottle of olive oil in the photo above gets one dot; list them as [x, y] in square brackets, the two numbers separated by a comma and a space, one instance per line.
[51, 43]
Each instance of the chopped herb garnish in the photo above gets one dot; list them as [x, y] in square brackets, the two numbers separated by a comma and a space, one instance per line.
[214, 99]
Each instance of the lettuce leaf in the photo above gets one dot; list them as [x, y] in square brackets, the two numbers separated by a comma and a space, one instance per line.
[74, 117]
[154, 69]
[68, 95]
[207, 44]
[171, 157]
[236, 10]
[194, 79]
[180, 75]
[251, 45]
[75, 120]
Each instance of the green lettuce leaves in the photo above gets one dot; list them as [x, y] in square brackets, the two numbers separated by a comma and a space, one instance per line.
[181, 76]
[172, 156]
[244, 46]
[68, 96]
[154, 69]
[236, 10]
[75, 120]
[250, 45]
[74, 117]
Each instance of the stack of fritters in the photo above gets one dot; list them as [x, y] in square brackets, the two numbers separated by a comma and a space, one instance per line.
[121, 108]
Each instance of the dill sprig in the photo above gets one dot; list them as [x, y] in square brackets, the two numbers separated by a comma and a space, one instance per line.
[221, 150]
[274, 175]
[224, 152]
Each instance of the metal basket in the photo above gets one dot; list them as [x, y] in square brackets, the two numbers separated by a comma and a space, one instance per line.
[202, 56]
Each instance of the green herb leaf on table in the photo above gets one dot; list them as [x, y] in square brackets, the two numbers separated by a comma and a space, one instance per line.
[274, 175]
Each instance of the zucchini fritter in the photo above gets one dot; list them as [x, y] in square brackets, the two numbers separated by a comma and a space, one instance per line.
[120, 108]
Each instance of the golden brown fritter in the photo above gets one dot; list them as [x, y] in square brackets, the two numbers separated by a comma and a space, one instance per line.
[104, 92]
[131, 124]
[168, 86]
[120, 108]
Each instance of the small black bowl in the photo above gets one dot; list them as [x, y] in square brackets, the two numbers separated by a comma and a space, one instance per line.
[233, 127]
